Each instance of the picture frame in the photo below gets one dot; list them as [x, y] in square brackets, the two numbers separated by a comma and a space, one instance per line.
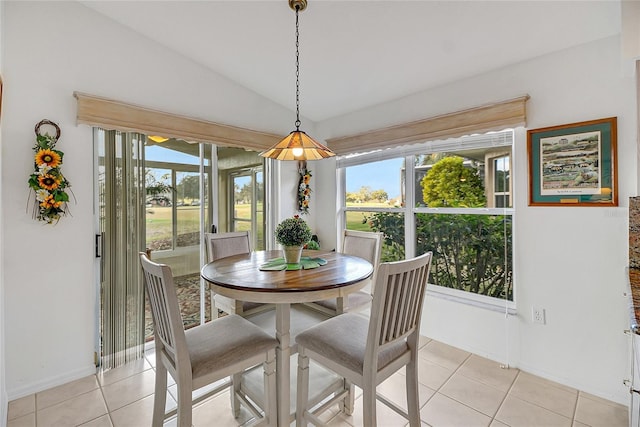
[574, 164]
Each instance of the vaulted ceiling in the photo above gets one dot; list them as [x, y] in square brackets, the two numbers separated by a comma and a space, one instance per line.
[355, 54]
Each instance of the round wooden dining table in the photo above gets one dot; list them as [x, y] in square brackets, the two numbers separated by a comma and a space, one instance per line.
[241, 278]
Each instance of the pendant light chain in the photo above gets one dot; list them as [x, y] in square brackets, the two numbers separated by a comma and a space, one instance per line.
[297, 72]
[297, 145]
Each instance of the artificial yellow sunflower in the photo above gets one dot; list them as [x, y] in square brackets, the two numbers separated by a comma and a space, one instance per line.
[50, 202]
[307, 178]
[48, 182]
[48, 157]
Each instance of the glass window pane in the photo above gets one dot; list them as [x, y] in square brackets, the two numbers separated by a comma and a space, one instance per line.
[457, 179]
[187, 208]
[172, 151]
[242, 197]
[242, 206]
[390, 223]
[173, 218]
[470, 252]
[259, 210]
[159, 218]
[501, 167]
[378, 184]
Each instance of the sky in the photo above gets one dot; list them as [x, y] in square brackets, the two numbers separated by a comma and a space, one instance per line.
[160, 154]
[382, 175]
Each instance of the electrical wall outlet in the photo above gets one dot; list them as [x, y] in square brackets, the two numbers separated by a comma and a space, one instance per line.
[537, 314]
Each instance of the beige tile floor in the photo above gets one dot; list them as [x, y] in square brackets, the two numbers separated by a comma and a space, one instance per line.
[457, 389]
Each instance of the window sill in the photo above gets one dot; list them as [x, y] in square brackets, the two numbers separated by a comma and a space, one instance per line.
[480, 301]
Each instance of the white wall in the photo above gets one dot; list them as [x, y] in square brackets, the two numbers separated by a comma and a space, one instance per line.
[569, 260]
[3, 386]
[52, 49]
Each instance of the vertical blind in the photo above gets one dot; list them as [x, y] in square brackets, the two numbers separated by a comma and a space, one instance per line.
[121, 202]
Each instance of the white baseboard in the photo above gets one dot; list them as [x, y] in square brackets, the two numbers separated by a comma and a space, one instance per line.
[45, 384]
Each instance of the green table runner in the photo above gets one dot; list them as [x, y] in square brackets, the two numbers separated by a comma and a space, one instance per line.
[306, 263]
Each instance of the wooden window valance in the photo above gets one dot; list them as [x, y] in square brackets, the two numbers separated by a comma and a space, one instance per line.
[493, 117]
[116, 115]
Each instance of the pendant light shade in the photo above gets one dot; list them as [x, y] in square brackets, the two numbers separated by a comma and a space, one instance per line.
[298, 145]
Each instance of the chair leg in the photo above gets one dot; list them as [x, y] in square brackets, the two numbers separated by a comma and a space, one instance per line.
[184, 405]
[235, 388]
[341, 305]
[160, 395]
[270, 403]
[369, 403]
[348, 403]
[302, 387]
[413, 398]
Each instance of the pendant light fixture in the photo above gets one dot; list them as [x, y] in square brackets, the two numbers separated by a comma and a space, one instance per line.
[298, 145]
[158, 139]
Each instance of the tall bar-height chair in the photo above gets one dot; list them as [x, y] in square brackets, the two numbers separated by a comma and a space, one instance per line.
[204, 354]
[363, 244]
[222, 245]
[367, 351]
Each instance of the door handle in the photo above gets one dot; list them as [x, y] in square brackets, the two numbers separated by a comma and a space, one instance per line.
[98, 245]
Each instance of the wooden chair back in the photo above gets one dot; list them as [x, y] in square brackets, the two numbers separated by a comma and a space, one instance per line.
[222, 245]
[167, 322]
[364, 244]
[396, 309]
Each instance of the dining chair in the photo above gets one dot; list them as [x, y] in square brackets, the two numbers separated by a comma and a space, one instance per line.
[222, 245]
[367, 351]
[204, 354]
[363, 244]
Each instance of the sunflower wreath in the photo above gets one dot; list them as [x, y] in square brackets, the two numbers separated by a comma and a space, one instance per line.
[47, 182]
[304, 190]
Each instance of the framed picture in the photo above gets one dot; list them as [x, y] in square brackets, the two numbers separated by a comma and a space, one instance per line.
[574, 164]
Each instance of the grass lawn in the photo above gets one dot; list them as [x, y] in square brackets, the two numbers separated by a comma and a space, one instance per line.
[159, 221]
[355, 219]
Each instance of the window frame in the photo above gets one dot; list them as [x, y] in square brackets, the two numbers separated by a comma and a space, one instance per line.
[504, 138]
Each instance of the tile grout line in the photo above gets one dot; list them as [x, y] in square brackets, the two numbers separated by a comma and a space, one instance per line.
[105, 402]
[572, 418]
[575, 412]
[575, 408]
[505, 396]
[437, 391]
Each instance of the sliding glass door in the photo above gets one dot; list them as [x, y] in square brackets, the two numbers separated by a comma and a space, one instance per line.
[151, 197]
[176, 216]
[161, 195]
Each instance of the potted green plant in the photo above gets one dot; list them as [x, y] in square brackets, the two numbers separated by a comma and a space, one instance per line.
[293, 234]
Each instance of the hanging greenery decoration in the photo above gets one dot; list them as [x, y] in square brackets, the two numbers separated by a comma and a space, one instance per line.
[47, 182]
[304, 189]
